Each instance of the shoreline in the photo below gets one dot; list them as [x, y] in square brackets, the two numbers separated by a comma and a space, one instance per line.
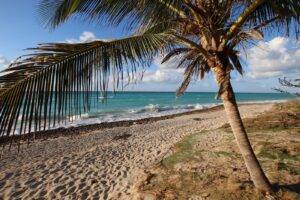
[82, 129]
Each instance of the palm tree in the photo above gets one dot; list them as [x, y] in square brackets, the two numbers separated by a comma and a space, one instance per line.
[43, 88]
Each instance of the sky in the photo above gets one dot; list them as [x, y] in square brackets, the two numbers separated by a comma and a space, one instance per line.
[271, 59]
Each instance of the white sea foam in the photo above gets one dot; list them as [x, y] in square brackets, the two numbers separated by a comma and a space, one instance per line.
[148, 111]
[151, 110]
[265, 101]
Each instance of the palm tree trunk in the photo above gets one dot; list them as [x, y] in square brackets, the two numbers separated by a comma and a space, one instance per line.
[257, 175]
[260, 180]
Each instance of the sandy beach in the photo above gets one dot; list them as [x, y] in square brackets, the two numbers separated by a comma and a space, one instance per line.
[101, 164]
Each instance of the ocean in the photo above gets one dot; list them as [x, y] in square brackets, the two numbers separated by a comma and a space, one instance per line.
[137, 105]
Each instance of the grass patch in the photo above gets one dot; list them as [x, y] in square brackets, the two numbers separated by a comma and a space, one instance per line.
[178, 157]
[288, 168]
[225, 153]
[266, 153]
[280, 154]
[187, 143]
[184, 152]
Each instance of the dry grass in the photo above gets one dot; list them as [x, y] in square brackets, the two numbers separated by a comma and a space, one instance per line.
[208, 165]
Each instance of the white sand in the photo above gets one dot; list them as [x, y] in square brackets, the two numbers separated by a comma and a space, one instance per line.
[100, 164]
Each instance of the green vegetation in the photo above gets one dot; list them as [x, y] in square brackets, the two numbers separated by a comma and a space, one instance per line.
[184, 152]
[216, 171]
[280, 154]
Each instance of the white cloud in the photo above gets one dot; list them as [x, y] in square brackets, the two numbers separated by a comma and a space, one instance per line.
[3, 62]
[86, 36]
[167, 77]
[277, 57]
[164, 73]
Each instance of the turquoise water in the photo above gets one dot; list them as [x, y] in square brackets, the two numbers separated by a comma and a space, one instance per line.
[136, 105]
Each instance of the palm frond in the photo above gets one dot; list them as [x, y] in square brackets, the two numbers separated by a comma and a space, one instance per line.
[55, 82]
[175, 52]
[245, 37]
[54, 12]
[186, 81]
[236, 63]
[197, 66]
[282, 15]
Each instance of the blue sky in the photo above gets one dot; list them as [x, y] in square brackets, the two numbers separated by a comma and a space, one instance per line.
[20, 28]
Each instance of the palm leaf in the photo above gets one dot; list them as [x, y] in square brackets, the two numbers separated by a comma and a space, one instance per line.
[283, 14]
[236, 63]
[55, 82]
[193, 68]
[174, 52]
[112, 11]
